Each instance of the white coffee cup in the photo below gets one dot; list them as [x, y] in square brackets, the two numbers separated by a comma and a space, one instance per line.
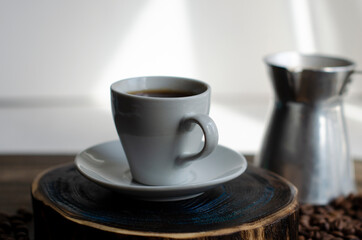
[162, 134]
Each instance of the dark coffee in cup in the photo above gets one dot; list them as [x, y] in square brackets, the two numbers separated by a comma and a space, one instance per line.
[163, 93]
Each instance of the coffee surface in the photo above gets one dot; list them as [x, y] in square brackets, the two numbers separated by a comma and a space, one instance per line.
[163, 93]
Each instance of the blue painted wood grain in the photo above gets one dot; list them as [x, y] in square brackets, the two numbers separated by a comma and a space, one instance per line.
[242, 200]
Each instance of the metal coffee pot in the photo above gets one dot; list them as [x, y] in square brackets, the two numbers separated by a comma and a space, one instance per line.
[306, 140]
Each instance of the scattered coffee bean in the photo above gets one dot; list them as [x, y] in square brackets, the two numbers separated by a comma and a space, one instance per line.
[13, 227]
[341, 219]
[5, 225]
[351, 237]
[26, 215]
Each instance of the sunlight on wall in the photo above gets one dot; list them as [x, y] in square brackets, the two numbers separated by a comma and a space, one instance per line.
[237, 130]
[354, 112]
[303, 26]
[158, 44]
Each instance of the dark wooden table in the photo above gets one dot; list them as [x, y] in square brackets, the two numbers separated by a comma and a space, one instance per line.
[17, 173]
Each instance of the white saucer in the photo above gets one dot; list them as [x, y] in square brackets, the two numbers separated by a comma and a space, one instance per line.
[106, 164]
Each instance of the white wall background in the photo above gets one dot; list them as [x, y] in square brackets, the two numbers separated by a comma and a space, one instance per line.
[58, 58]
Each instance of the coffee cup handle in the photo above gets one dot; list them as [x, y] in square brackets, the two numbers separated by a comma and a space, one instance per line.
[211, 136]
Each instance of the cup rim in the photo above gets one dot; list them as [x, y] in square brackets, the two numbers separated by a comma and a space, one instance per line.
[288, 60]
[190, 80]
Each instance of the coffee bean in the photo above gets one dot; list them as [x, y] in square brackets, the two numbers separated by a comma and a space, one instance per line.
[341, 219]
[27, 215]
[3, 216]
[5, 225]
[14, 226]
[338, 224]
[314, 228]
[21, 228]
[326, 226]
[337, 234]
[304, 220]
[359, 232]
[347, 205]
[7, 237]
[338, 201]
[17, 217]
[351, 237]
[307, 209]
[321, 210]
[357, 201]
[349, 231]
[22, 238]
[317, 235]
[359, 214]
[21, 234]
[16, 222]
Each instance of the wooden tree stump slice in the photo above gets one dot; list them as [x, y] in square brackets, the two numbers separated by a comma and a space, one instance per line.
[256, 205]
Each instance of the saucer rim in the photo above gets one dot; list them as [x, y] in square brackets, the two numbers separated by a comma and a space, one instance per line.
[137, 188]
